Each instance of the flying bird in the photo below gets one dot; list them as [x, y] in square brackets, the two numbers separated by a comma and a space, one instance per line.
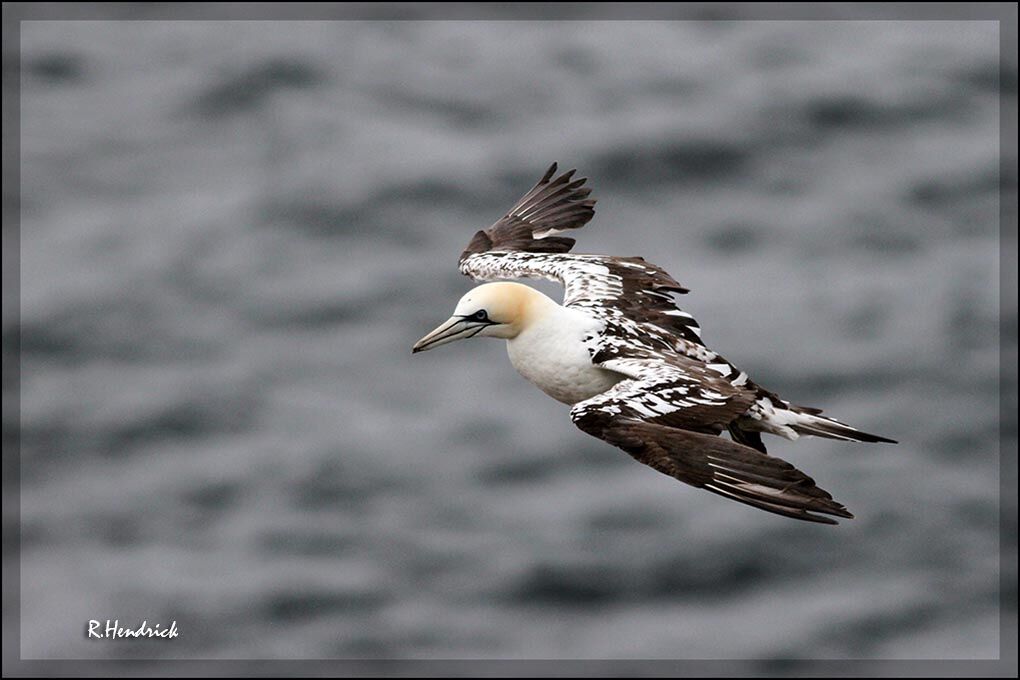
[630, 362]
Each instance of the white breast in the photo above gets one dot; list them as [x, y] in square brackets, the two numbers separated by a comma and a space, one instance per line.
[551, 354]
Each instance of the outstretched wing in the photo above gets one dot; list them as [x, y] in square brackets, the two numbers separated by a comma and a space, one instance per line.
[667, 416]
[552, 206]
[523, 244]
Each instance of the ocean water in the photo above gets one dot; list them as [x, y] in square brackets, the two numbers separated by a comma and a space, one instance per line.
[233, 232]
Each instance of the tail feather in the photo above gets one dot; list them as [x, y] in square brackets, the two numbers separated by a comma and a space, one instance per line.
[820, 426]
[773, 415]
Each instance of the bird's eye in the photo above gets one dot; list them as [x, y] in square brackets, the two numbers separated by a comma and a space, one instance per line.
[480, 315]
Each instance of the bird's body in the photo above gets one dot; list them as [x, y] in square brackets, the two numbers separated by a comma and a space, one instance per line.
[551, 353]
[629, 361]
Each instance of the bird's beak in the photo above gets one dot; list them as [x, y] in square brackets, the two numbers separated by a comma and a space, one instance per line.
[454, 328]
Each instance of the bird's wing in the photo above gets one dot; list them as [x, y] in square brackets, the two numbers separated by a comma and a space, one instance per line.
[550, 207]
[667, 414]
[628, 290]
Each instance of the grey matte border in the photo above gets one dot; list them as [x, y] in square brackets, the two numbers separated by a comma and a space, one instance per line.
[1005, 13]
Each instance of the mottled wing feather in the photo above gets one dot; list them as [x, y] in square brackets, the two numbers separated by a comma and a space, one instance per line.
[633, 294]
[669, 444]
[634, 289]
[669, 389]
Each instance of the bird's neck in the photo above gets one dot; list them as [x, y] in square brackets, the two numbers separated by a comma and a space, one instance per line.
[553, 352]
[536, 308]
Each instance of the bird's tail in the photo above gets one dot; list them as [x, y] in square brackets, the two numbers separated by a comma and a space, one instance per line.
[777, 416]
[811, 422]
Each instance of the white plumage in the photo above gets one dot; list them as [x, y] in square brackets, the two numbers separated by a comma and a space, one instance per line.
[551, 352]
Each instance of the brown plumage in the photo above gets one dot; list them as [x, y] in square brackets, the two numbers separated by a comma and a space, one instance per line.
[718, 465]
[550, 205]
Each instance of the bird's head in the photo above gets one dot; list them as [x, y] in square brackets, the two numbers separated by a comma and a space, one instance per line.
[495, 310]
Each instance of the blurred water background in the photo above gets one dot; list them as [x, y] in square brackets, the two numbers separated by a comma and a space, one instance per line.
[232, 233]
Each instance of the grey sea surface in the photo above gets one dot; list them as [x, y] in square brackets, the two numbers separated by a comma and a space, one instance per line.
[233, 232]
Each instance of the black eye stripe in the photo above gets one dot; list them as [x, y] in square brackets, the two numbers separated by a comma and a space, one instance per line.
[480, 315]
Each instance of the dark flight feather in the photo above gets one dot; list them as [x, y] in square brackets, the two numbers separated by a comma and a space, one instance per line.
[551, 205]
[719, 465]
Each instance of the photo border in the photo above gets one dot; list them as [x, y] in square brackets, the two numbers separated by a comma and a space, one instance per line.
[1004, 13]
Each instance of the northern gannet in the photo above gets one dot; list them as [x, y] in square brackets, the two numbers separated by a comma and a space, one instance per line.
[630, 362]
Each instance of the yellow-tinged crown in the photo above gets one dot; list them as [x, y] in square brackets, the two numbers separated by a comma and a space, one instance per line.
[498, 310]
[507, 303]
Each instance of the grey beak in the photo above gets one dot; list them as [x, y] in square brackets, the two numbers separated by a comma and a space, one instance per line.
[454, 328]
